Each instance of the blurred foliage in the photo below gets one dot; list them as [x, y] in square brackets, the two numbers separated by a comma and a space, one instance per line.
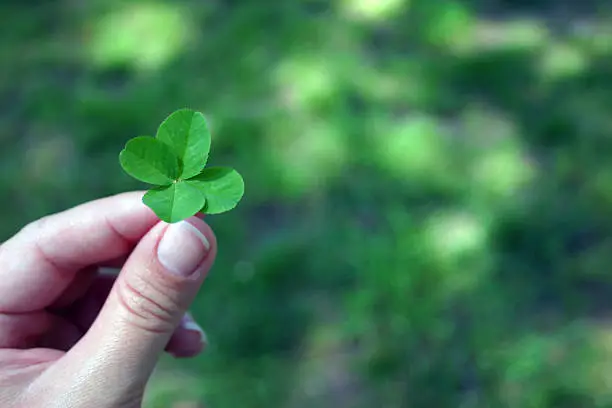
[428, 195]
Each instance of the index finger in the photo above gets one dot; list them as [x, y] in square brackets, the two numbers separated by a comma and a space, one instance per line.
[41, 260]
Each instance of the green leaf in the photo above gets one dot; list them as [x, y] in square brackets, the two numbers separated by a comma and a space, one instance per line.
[223, 188]
[186, 132]
[150, 161]
[175, 202]
[174, 161]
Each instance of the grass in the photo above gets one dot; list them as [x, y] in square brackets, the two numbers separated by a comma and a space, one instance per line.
[425, 222]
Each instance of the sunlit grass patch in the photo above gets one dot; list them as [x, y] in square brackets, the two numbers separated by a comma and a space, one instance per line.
[456, 242]
[307, 79]
[498, 163]
[450, 25]
[563, 60]
[372, 10]
[144, 36]
[513, 34]
[455, 234]
[413, 148]
[502, 171]
[306, 153]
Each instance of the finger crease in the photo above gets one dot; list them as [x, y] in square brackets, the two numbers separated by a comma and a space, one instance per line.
[163, 316]
[53, 263]
[125, 241]
[162, 310]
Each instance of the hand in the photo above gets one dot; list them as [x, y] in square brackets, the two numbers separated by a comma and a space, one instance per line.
[72, 337]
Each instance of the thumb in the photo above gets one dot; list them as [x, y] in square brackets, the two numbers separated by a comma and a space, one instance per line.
[151, 294]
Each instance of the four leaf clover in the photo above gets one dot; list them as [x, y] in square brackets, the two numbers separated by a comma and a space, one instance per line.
[173, 162]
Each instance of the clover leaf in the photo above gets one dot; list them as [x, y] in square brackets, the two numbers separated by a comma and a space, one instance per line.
[174, 162]
[150, 161]
[222, 186]
[185, 131]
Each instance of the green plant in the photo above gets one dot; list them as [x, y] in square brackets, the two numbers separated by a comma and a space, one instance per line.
[173, 162]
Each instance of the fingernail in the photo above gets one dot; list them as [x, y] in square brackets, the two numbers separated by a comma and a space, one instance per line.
[182, 248]
[189, 324]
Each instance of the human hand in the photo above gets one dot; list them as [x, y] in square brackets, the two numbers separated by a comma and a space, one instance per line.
[71, 337]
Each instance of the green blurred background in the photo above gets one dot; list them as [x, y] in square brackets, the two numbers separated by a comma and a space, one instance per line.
[428, 194]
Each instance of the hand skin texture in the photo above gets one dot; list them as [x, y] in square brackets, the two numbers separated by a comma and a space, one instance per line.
[73, 337]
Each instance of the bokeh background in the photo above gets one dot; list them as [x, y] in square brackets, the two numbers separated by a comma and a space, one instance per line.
[428, 186]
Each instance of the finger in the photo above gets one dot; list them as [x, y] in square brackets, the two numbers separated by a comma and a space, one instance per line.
[84, 312]
[144, 307]
[23, 330]
[116, 263]
[40, 262]
[62, 335]
[33, 358]
[76, 289]
[188, 339]
[41, 329]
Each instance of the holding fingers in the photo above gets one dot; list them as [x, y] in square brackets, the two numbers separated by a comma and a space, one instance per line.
[112, 329]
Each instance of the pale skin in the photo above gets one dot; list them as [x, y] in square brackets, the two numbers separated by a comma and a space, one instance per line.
[73, 337]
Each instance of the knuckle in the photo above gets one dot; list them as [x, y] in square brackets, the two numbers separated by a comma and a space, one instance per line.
[147, 307]
[35, 227]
